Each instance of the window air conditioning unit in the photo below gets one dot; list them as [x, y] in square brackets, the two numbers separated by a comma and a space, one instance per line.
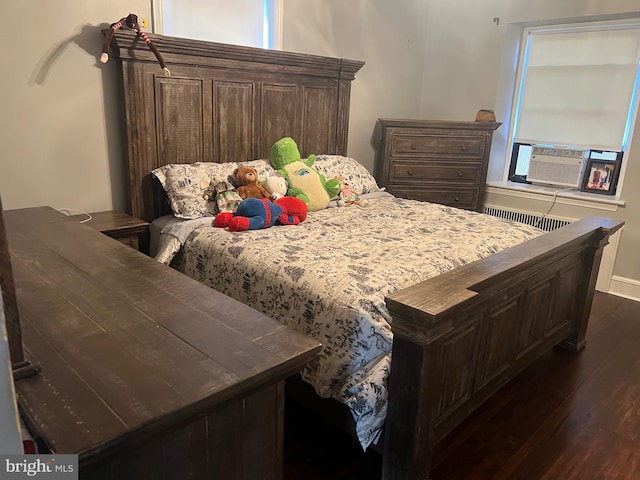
[561, 166]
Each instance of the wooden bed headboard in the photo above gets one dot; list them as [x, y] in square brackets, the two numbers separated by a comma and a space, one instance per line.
[224, 103]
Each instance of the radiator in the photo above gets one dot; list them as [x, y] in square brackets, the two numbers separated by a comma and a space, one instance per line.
[543, 223]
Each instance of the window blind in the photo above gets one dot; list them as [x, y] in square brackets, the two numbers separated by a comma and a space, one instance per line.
[578, 86]
[241, 22]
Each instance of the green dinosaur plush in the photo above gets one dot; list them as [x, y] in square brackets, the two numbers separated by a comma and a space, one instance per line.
[304, 182]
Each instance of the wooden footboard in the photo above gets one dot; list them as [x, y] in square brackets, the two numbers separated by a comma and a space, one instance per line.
[461, 336]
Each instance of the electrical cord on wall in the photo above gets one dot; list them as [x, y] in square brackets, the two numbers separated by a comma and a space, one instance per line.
[553, 202]
[67, 212]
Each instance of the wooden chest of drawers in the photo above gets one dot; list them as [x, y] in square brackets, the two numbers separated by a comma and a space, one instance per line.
[435, 161]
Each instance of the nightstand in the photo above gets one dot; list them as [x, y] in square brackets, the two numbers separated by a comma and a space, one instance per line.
[124, 228]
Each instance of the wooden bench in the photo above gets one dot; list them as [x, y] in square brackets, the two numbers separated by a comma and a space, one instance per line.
[145, 373]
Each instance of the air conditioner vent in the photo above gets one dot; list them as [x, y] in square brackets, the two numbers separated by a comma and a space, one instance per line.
[561, 166]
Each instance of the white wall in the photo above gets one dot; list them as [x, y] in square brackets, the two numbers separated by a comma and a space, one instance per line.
[463, 54]
[60, 125]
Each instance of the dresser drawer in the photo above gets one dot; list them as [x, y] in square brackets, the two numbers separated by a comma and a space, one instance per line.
[410, 171]
[459, 197]
[128, 239]
[438, 145]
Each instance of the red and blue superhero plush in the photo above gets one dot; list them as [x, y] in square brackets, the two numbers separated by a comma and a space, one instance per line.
[254, 213]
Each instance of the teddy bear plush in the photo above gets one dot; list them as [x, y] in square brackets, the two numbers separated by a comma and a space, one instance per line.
[304, 182]
[246, 179]
[254, 213]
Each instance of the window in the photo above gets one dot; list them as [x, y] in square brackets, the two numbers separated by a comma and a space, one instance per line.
[253, 23]
[577, 88]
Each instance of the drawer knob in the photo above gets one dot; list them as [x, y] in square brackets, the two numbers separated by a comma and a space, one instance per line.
[463, 148]
[409, 172]
[457, 199]
[460, 173]
[413, 146]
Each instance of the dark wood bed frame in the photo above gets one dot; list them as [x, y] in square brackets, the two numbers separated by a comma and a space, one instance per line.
[458, 337]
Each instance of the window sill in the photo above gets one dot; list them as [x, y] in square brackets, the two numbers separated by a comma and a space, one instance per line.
[566, 197]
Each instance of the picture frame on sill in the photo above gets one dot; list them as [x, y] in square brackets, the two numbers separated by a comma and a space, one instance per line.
[600, 176]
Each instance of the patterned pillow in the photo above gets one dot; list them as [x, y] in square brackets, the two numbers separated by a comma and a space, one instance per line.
[186, 184]
[355, 173]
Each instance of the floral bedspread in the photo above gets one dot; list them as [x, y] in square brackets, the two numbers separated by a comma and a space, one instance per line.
[328, 278]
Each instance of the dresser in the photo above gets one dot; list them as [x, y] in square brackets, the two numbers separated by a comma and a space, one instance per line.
[145, 373]
[435, 161]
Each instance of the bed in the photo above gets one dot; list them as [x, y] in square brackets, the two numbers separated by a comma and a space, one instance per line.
[438, 339]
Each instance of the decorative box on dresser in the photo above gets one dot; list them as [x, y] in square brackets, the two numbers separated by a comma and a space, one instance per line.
[436, 161]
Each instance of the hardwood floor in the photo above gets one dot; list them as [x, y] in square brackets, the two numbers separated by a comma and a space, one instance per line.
[568, 416]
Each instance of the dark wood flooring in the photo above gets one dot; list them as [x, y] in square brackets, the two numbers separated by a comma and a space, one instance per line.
[567, 417]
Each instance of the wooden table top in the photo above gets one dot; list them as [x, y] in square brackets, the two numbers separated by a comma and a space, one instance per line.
[126, 344]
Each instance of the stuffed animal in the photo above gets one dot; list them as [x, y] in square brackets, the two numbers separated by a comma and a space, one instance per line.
[348, 196]
[294, 210]
[254, 213]
[247, 181]
[210, 192]
[131, 21]
[276, 185]
[304, 182]
[226, 197]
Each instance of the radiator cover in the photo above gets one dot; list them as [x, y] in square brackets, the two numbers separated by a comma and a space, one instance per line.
[539, 221]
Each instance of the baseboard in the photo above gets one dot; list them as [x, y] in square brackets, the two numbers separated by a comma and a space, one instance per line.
[625, 287]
